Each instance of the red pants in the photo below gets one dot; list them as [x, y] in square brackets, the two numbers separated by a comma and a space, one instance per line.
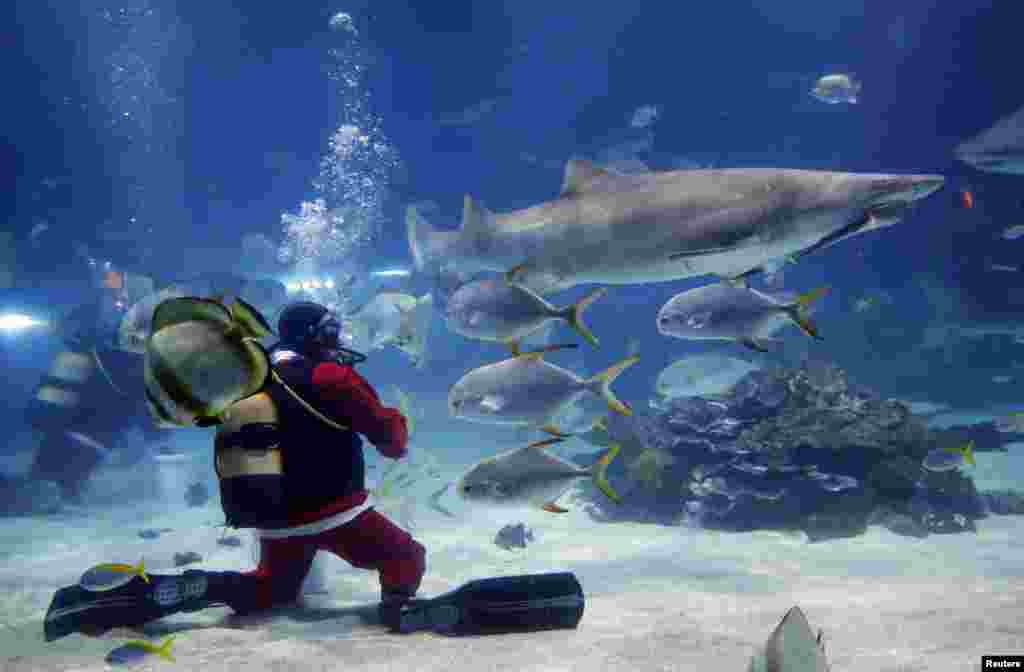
[369, 541]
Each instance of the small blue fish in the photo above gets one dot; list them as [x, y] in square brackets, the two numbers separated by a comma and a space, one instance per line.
[136, 651]
[946, 459]
[835, 482]
[110, 576]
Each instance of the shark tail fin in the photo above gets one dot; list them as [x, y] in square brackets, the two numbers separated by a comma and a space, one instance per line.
[574, 315]
[601, 385]
[798, 310]
[427, 244]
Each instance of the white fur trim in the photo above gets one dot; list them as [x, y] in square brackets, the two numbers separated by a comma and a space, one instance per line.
[318, 526]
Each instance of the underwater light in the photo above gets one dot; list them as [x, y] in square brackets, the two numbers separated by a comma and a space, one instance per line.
[18, 322]
[391, 273]
[308, 284]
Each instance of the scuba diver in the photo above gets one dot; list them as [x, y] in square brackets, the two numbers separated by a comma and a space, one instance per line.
[309, 418]
[92, 392]
[290, 463]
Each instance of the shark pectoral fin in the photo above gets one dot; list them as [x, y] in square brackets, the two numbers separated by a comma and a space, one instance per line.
[754, 344]
[551, 507]
[553, 430]
[578, 173]
[699, 253]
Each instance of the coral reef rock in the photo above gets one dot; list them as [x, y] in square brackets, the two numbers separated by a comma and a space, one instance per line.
[791, 449]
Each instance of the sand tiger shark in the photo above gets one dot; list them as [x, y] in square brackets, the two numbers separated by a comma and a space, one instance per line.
[610, 228]
[999, 149]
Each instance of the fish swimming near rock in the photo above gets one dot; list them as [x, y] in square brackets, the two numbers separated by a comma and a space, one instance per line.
[137, 651]
[201, 357]
[999, 149]
[947, 459]
[706, 375]
[111, 575]
[724, 311]
[792, 647]
[495, 310]
[531, 476]
[607, 228]
[527, 390]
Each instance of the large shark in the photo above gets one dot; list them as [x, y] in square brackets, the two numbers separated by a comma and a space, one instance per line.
[626, 229]
[999, 149]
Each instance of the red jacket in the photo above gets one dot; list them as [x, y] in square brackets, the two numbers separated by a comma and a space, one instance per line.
[346, 394]
[325, 468]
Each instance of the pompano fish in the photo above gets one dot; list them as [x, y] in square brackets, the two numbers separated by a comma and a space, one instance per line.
[202, 357]
[392, 318]
[137, 650]
[531, 476]
[495, 310]
[792, 647]
[726, 312]
[609, 228]
[111, 575]
[701, 376]
[947, 459]
[527, 390]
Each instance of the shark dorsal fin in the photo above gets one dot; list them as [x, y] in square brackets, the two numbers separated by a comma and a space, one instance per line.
[475, 217]
[578, 173]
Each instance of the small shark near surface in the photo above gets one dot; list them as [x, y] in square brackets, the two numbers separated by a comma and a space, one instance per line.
[999, 149]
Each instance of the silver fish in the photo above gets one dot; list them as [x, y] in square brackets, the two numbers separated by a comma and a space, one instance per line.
[527, 390]
[531, 476]
[724, 311]
[947, 459]
[701, 376]
[393, 318]
[495, 310]
[609, 228]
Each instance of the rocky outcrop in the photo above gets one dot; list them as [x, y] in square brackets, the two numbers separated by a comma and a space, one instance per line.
[798, 449]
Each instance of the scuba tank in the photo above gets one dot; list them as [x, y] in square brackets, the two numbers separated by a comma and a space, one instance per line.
[248, 456]
[249, 464]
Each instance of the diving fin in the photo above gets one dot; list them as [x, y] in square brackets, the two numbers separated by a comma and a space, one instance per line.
[499, 605]
[75, 609]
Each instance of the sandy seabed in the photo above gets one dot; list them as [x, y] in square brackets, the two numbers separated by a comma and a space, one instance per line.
[658, 598]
